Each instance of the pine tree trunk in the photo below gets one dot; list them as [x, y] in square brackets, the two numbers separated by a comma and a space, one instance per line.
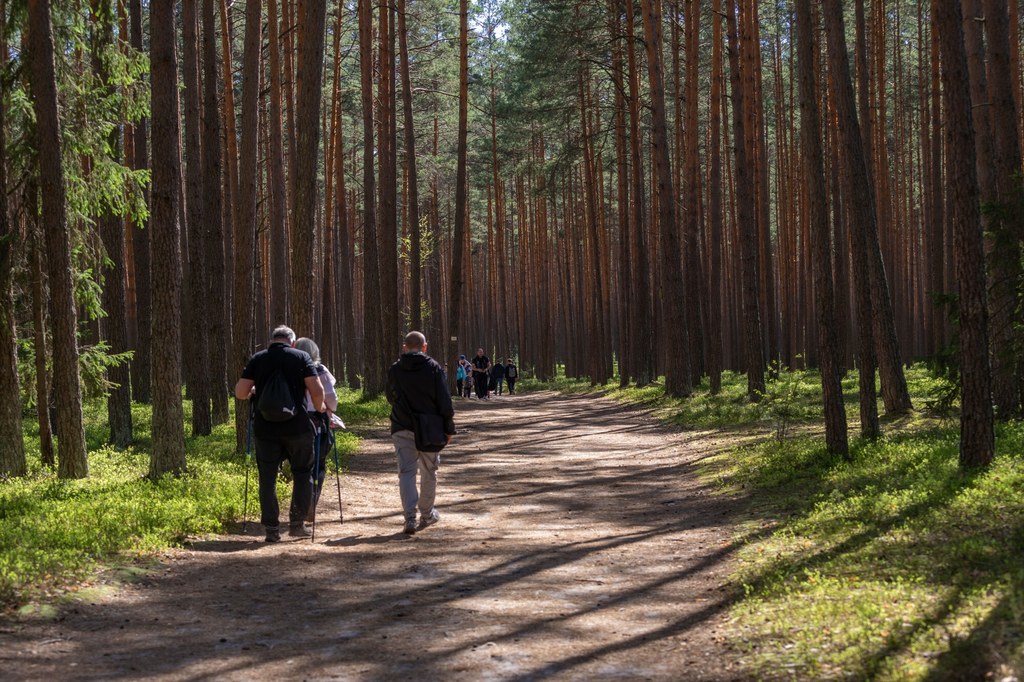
[71, 455]
[644, 360]
[279, 278]
[814, 177]
[753, 343]
[213, 210]
[142, 359]
[459, 252]
[860, 210]
[1008, 227]
[313, 18]
[415, 276]
[715, 218]
[243, 319]
[673, 291]
[373, 351]
[168, 454]
[12, 455]
[111, 227]
[626, 328]
[199, 360]
[977, 438]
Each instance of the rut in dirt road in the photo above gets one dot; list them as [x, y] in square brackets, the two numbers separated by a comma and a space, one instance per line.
[575, 542]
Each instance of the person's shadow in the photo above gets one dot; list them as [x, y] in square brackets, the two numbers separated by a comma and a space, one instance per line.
[355, 540]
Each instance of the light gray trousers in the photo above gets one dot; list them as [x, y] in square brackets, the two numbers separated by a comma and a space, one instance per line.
[409, 460]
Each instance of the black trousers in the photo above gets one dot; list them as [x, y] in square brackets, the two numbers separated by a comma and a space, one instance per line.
[511, 385]
[480, 383]
[270, 452]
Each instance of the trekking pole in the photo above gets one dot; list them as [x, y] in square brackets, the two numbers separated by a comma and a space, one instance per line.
[248, 449]
[337, 474]
[316, 479]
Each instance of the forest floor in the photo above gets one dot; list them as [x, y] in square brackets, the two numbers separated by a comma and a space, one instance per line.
[576, 541]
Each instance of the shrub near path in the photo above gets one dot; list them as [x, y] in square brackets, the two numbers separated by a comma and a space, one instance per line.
[576, 542]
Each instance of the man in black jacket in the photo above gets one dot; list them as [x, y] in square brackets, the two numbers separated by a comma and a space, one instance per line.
[278, 438]
[417, 385]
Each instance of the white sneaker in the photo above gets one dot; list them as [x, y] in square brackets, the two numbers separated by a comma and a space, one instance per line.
[429, 519]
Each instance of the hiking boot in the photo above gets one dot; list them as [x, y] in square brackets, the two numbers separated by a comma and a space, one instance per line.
[429, 519]
[273, 534]
[299, 530]
[409, 528]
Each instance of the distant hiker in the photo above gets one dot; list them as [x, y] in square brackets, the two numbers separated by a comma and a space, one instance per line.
[467, 366]
[460, 375]
[276, 380]
[498, 377]
[481, 366]
[511, 374]
[321, 422]
[421, 424]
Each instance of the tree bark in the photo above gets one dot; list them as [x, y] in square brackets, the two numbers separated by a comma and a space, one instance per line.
[458, 248]
[415, 277]
[1008, 228]
[71, 455]
[313, 18]
[814, 176]
[111, 226]
[673, 294]
[199, 361]
[753, 342]
[645, 358]
[245, 224]
[977, 437]
[280, 282]
[715, 217]
[213, 210]
[373, 353]
[860, 209]
[12, 455]
[168, 454]
[141, 257]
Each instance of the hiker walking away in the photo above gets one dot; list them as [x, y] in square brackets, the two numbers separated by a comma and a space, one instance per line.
[460, 375]
[421, 418]
[498, 377]
[481, 365]
[276, 381]
[467, 388]
[321, 422]
[511, 374]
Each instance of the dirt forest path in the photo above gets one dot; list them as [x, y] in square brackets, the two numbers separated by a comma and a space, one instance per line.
[575, 542]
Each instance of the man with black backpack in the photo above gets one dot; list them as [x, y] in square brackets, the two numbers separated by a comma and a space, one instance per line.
[276, 381]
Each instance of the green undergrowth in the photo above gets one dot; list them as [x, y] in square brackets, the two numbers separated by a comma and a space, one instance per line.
[792, 398]
[55, 532]
[895, 565]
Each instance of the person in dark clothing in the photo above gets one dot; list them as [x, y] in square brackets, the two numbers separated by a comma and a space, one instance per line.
[417, 385]
[498, 377]
[481, 366]
[291, 439]
[511, 374]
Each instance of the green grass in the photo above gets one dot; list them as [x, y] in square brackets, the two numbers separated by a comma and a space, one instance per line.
[54, 532]
[893, 566]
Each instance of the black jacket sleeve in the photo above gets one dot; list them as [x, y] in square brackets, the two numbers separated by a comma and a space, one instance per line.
[444, 403]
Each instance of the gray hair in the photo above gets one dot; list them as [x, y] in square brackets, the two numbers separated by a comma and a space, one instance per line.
[310, 347]
[283, 332]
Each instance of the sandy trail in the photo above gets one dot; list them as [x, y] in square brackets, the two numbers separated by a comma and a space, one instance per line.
[575, 542]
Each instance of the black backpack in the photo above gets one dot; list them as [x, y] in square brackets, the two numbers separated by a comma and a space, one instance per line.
[276, 402]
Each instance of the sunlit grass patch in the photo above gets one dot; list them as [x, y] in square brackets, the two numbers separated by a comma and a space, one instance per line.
[895, 566]
[54, 532]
